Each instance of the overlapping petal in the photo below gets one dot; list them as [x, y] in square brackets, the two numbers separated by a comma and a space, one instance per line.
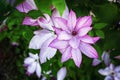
[46, 51]
[46, 22]
[66, 55]
[59, 44]
[64, 36]
[74, 43]
[83, 22]
[83, 31]
[37, 41]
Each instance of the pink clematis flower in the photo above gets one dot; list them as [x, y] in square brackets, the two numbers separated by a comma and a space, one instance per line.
[72, 38]
[32, 64]
[27, 6]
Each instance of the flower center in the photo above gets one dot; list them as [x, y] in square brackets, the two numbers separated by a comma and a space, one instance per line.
[74, 33]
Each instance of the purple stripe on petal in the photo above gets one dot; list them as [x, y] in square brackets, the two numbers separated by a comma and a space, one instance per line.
[71, 20]
[88, 50]
[76, 56]
[66, 55]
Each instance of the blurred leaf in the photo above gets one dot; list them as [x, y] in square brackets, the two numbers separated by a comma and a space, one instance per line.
[60, 5]
[100, 33]
[34, 14]
[44, 5]
[91, 33]
[106, 12]
[99, 25]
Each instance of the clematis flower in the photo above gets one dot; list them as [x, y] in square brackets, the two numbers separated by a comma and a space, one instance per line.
[32, 64]
[105, 58]
[27, 6]
[61, 73]
[72, 38]
[43, 37]
[111, 72]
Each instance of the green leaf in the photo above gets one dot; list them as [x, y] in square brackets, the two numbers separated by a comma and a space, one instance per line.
[99, 25]
[60, 5]
[44, 5]
[106, 12]
[100, 33]
[91, 33]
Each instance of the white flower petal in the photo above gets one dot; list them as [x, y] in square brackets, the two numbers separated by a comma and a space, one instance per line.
[74, 42]
[46, 51]
[58, 44]
[64, 36]
[66, 55]
[28, 61]
[31, 68]
[34, 56]
[61, 73]
[38, 70]
[37, 41]
[76, 56]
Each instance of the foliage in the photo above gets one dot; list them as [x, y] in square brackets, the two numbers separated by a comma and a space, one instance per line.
[106, 24]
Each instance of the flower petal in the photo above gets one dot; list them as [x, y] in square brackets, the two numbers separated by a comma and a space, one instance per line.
[38, 70]
[66, 55]
[76, 56]
[106, 58]
[45, 22]
[46, 51]
[74, 43]
[64, 36]
[71, 20]
[88, 50]
[58, 44]
[65, 13]
[61, 73]
[60, 23]
[28, 61]
[55, 13]
[96, 62]
[89, 39]
[105, 71]
[83, 22]
[37, 41]
[31, 68]
[34, 56]
[29, 21]
[27, 6]
[108, 78]
[83, 31]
